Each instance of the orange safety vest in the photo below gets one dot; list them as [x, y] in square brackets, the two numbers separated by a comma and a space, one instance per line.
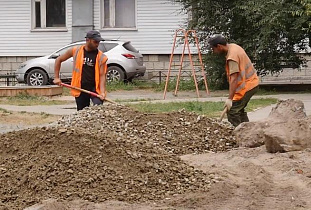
[247, 78]
[78, 58]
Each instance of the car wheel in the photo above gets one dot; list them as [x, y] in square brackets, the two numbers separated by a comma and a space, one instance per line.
[37, 77]
[115, 73]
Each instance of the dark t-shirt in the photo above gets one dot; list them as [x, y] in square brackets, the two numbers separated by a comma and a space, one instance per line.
[88, 70]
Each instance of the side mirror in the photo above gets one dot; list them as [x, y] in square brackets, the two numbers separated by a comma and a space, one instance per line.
[55, 55]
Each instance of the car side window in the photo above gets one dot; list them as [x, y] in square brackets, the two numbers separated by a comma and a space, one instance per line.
[110, 46]
[129, 47]
[102, 48]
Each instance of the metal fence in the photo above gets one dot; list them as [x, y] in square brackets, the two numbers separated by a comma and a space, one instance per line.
[8, 79]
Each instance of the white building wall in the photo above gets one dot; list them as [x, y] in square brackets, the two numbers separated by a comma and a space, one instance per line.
[17, 37]
[157, 21]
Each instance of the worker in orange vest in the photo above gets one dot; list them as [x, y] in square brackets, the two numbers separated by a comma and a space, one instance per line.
[89, 70]
[242, 78]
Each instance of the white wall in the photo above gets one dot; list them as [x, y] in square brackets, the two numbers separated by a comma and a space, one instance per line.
[17, 37]
[157, 21]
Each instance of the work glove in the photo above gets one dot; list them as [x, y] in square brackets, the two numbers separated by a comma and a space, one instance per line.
[228, 104]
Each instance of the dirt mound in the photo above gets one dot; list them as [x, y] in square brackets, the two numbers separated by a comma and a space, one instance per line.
[286, 129]
[177, 132]
[243, 178]
[289, 109]
[107, 152]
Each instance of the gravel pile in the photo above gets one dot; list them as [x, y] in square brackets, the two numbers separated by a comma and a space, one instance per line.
[177, 132]
[108, 152]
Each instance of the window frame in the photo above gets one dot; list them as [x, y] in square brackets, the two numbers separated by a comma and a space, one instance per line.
[43, 17]
[112, 20]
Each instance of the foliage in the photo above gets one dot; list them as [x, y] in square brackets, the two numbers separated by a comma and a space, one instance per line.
[215, 74]
[184, 85]
[270, 31]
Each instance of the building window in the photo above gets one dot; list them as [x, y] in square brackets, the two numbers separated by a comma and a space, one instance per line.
[119, 13]
[49, 14]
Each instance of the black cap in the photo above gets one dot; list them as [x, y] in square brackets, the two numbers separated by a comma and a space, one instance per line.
[94, 35]
[217, 39]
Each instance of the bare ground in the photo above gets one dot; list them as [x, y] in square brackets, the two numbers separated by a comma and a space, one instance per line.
[11, 121]
[255, 179]
[235, 178]
[245, 179]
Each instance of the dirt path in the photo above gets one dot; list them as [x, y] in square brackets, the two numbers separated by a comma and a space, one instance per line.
[11, 121]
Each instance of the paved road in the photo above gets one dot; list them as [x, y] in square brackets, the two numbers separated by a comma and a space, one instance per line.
[155, 97]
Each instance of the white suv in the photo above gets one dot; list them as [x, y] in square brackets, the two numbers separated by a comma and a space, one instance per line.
[124, 64]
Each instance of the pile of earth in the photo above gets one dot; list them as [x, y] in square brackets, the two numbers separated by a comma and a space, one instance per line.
[108, 152]
[287, 128]
[176, 132]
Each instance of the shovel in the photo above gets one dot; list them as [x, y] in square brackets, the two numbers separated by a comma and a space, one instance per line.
[86, 91]
[223, 114]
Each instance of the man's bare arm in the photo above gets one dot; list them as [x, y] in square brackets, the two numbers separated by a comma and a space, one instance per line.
[102, 79]
[68, 54]
[233, 83]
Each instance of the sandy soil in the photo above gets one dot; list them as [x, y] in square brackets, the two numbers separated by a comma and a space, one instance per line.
[255, 179]
[238, 178]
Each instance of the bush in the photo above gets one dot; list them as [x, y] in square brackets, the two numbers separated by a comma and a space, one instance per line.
[216, 71]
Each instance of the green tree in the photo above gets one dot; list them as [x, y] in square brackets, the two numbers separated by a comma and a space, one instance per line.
[270, 31]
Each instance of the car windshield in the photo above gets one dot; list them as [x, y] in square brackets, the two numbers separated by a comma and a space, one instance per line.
[129, 47]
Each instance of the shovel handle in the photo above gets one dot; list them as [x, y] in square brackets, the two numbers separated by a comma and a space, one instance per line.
[223, 114]
[80, 89]
[86, 91]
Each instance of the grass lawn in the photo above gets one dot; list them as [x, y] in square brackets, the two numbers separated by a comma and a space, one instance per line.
[210, 109]
[27, 100]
